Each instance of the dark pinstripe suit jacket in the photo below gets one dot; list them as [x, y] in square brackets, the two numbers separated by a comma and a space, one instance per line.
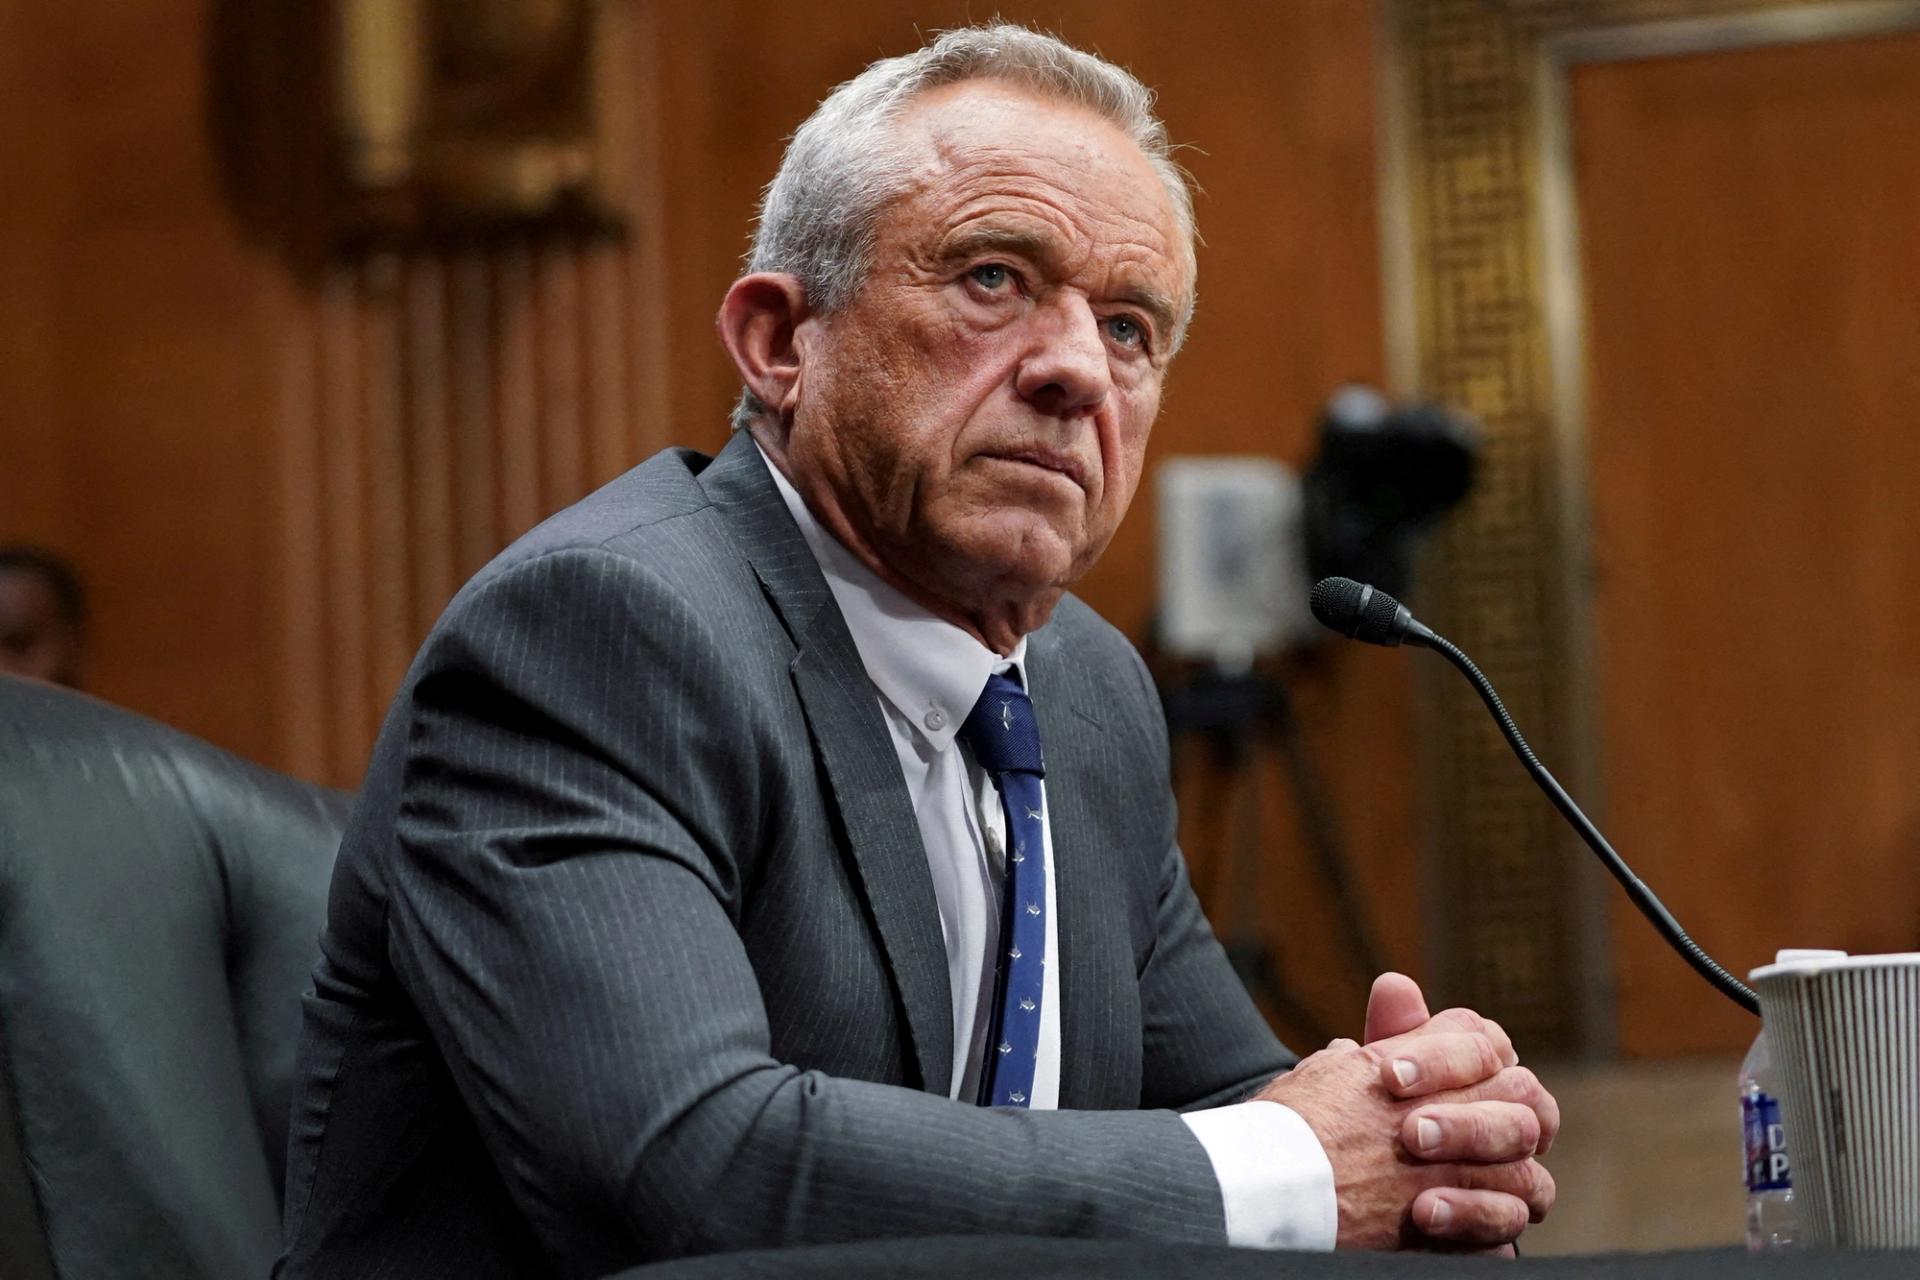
[632, 948]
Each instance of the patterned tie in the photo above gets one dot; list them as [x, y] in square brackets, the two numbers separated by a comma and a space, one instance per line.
[1005, 740]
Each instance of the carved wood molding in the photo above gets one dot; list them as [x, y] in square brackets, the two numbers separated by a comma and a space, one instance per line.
[359, 126]
[1483, 308]
[439, 397]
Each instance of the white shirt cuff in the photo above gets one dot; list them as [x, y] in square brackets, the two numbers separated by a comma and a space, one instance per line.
[1275, 1178]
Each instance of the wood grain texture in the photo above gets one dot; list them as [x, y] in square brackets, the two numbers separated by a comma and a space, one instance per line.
[275, 485]
[145, 381]
[439, 410]
[33, 209]
[1753, 288]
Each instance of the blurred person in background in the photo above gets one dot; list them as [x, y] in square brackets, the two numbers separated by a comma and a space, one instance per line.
[43, 616]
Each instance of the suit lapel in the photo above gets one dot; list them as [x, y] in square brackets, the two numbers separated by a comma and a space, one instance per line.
[851, 738]
[1084, 888]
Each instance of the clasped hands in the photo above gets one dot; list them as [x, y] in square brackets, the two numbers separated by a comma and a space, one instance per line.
[1432, 1126]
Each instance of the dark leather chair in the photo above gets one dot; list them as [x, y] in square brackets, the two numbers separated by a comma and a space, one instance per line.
[160, 906]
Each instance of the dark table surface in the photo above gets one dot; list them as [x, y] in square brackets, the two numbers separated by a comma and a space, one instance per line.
[1025, 1258]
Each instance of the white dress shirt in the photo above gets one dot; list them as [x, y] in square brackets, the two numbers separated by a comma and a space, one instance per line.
[1275, 1179]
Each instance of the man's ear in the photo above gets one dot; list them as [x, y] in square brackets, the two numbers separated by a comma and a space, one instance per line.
[759, 323]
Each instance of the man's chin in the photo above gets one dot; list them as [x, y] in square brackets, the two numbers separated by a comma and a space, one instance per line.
[1006, 586]
[1036, 562]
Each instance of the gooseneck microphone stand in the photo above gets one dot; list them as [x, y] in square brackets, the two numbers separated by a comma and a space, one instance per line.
[1374, 617]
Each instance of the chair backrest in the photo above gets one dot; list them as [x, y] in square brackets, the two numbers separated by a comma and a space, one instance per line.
[160, 906]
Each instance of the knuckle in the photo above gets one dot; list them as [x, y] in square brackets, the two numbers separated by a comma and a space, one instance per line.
[1494, 1133]
[1476, 1129]
[1522, 1083]
[1517, 1178]
[1534, 1179]
[1471, 1058]
[1490, 1216]
[1502, 1131]
[1529, 1131]
[1544, 1192]
[1331, 1053]
[1549, 1112]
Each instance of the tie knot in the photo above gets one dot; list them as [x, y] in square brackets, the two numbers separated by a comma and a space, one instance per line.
[1001, 731]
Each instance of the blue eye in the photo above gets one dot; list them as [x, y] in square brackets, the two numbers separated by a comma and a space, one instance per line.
[991, 276]
[1126, 331]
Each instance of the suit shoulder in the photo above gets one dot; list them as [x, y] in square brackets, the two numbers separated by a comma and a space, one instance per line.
[1084, 654]
[1075, 620]
[653, 529]
[662, 490]
[1077, 629]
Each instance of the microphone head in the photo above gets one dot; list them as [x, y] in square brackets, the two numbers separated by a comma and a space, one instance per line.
[1357, 610]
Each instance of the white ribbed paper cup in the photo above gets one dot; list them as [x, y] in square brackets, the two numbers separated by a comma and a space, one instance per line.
[1845, 1039]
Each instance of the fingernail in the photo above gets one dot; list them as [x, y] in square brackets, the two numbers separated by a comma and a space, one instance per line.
[1406, 1071]
[1426, 1136]
[1439, 1216]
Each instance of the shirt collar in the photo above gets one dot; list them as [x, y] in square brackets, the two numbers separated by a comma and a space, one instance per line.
[931, 671]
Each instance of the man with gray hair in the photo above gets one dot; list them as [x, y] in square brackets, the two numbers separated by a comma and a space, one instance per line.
[768, 850]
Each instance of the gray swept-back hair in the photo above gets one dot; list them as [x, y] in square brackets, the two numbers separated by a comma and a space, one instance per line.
[842, 166]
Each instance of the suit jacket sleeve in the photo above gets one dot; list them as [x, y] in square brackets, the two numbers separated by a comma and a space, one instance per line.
[579, 797]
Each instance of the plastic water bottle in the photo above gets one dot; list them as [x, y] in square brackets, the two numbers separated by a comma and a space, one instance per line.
[1771, 1217]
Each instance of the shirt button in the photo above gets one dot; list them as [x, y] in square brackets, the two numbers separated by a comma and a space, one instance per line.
[935, 720]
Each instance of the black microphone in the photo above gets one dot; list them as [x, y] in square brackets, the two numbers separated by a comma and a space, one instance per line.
[1363, 613]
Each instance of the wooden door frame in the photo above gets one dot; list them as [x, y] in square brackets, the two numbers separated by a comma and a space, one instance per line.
[1483, 308]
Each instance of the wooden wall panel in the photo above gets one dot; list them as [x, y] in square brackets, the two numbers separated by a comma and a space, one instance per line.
[440, 405]
[1754, 298]
[145, 380]
[33, 208]
[275, 483]
[1487, 315]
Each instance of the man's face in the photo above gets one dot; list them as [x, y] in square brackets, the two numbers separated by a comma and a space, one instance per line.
[34, 639]
[975, 419]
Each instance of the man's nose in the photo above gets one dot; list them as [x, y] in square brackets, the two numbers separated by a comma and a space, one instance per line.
[1066, 374]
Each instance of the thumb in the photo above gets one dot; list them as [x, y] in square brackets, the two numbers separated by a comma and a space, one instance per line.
[1395, 1007]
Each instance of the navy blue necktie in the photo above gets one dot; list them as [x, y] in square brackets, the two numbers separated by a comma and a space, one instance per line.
[1005, 740]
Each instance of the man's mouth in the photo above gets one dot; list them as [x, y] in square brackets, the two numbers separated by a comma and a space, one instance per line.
[1064, 464]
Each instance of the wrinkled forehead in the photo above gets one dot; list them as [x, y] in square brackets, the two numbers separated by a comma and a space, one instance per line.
[960, 139]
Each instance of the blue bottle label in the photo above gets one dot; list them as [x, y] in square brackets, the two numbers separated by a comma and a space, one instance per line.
[1767, 1168]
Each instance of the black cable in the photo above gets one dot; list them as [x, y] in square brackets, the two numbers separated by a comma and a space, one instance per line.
[1643, 897]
